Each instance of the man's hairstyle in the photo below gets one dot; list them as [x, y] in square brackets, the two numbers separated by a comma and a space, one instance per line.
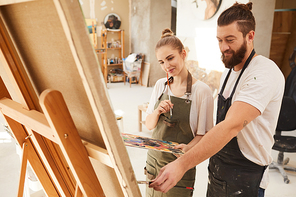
[240, 13]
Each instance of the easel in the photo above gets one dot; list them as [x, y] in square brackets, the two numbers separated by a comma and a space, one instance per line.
[64, 134]
[49, 130]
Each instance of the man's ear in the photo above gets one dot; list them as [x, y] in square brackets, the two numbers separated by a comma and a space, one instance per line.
[250, 36]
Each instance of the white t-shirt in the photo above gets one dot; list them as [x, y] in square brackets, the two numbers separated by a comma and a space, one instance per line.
[201, 111]
[262, 86]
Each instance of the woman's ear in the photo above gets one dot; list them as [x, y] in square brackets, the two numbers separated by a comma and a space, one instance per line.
[183, 54]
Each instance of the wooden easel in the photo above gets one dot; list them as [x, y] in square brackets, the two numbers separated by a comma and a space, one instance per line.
[50, 131]
[63, 133]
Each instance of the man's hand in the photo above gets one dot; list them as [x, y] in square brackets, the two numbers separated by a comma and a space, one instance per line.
[168, 177]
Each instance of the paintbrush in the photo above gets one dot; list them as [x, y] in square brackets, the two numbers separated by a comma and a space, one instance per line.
[171, 112]
[149, 182]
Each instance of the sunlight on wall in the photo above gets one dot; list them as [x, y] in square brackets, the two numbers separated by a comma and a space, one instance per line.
[206, 43]
[200, 35]
[203, 47]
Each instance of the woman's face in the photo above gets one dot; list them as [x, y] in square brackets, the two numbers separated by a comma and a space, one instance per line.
[170, 59]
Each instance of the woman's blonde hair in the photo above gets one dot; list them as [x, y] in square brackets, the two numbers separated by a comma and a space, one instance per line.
[168, 38]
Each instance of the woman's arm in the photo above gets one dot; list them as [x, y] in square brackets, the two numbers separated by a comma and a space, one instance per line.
[152, 119]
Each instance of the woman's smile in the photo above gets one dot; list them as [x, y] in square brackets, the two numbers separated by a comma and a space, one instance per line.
[170, 70]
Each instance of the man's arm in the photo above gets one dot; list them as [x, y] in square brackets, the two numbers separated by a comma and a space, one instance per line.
[237, 117]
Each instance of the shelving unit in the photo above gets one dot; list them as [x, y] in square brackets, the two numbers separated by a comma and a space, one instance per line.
[112, 41]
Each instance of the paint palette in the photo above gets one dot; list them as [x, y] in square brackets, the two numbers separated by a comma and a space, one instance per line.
[150, 143]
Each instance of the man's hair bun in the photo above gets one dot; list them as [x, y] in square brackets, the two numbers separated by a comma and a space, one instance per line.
[249, 5]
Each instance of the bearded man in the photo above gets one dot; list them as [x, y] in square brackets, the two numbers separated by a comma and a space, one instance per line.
[251, 91]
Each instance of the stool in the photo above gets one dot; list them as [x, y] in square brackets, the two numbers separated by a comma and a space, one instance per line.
[141, 108]
[120, 118]
[118, 114]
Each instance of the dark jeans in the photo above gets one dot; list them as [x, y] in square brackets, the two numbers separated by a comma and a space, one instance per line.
[261, 192]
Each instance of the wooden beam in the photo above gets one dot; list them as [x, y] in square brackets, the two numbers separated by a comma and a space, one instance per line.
[8, 2]
[20, 134]
[54, 184]
[97, 96]
[290, 45]
[33, 157]
[98, 153]
[37, 122]
[30, 118]
[78, 192]
[58, 115]
[23, 170]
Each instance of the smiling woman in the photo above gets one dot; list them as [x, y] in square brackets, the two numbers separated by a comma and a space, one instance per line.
[175, 116]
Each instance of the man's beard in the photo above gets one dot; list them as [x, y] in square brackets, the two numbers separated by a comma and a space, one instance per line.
[237, 56]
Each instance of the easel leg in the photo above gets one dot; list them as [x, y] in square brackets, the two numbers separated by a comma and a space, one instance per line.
[23, 169]
[78, 192]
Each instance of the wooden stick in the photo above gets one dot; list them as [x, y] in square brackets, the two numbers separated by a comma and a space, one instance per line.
[78, 192]
[23, 170]
[58, 115]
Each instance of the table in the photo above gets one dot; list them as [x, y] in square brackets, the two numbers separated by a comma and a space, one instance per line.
[141, 108]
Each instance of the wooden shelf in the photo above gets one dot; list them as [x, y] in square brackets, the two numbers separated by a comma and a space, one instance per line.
[107, 36]
[114, 64]
[113, 48]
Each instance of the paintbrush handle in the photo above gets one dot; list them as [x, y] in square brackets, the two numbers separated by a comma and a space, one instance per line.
[171, 111]
[148, 183]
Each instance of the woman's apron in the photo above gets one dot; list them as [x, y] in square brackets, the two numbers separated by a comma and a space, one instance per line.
[230, 172]
[176, 129]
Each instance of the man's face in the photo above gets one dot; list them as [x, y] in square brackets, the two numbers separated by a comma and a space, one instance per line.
[232, 44]
[236, 58]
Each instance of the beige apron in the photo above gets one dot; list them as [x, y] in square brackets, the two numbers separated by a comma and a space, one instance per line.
[175, 129]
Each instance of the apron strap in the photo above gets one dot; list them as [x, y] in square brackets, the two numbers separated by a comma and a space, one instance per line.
[171, 79]
[188, 88]
[243, 69]
[225, 81]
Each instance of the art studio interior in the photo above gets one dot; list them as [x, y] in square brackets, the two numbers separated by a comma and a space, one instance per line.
[100, 55]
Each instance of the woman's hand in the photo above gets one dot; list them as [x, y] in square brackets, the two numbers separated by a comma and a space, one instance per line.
[152, 119]
[183, 147]
[164, 107]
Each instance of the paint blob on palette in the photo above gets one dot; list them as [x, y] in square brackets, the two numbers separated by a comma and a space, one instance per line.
[150, 143]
